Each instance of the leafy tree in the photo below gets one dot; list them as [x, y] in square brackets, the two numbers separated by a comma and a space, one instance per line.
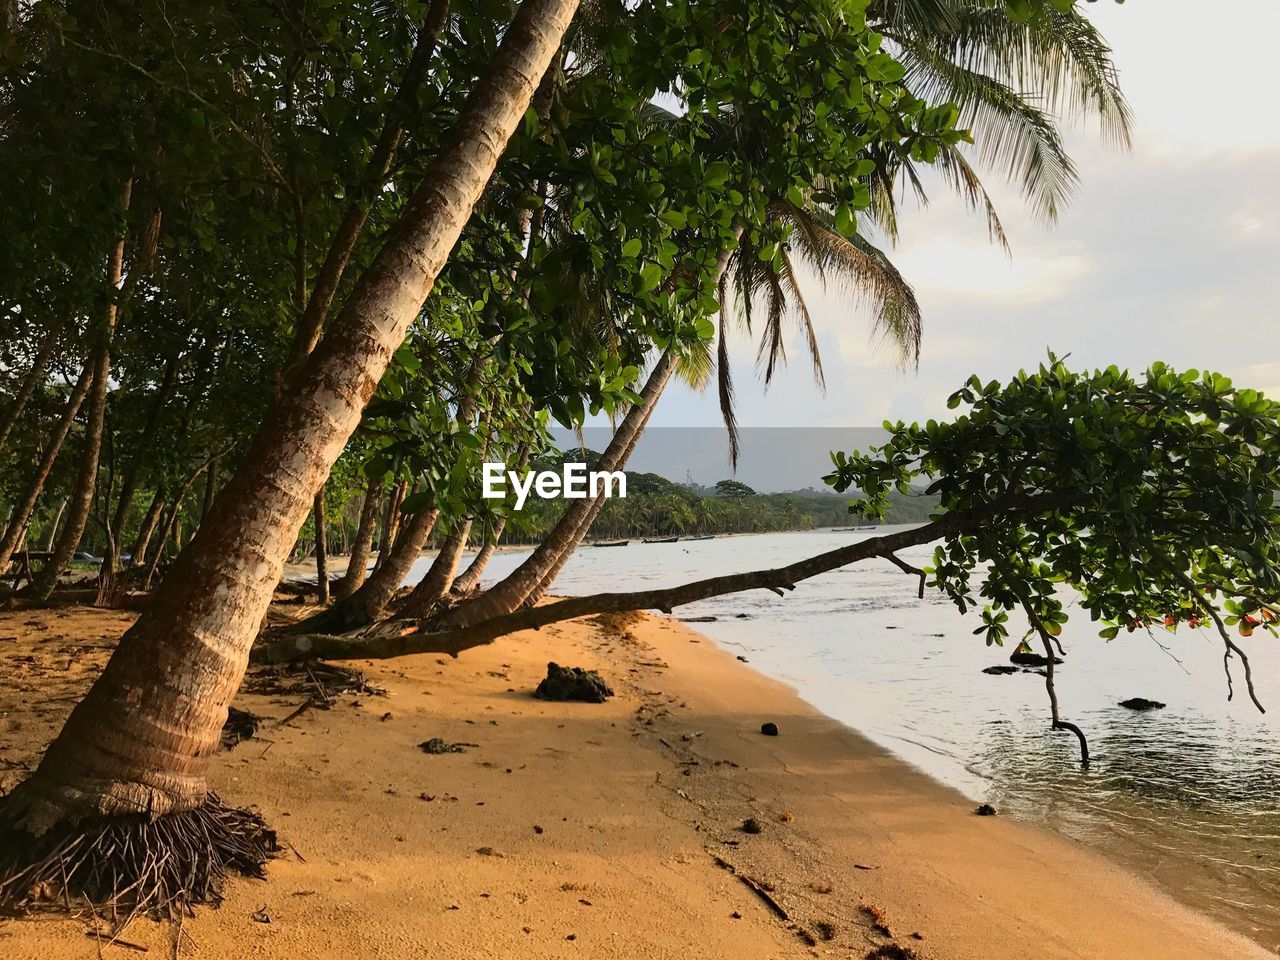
[1152, 499]
[733, 489]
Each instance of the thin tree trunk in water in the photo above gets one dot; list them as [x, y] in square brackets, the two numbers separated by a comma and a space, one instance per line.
[358, 562]
[510, 593]
[29, 383]
[322, 550]
[439, 578]
[147, 529]
[53, 529]
[141, 740]
[87, 476]
[22, 514]
[464, 584]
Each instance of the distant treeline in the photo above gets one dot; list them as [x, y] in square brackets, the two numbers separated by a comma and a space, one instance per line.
[658, 507]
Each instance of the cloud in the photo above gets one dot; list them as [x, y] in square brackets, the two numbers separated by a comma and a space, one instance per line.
[982, 273]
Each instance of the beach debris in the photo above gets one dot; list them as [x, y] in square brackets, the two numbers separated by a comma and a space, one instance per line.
[241, 725]
[1142, 703]
[892, 951]
[572, 684]
[436, 746]
[743, 659]
[752, 825]
[985, 810]
[324, 680]
[105, 938]
[761, 890]
[697, 619]
[488, 852]
[260, 915]
[879, 922]
[1002, 670]
[769, 728]
[786, 816]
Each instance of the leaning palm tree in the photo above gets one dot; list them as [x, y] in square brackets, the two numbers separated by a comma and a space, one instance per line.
[1014, 84]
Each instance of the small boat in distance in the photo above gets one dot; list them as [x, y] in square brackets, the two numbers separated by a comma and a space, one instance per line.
[662, 540]
[853, 529]
[709, 536]
[611, 543]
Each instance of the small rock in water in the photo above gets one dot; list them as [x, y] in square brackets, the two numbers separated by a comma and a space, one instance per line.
[1001, 670]
[986, 810]
[1025, 659]
[769, 729]
[1142, 703]
[572, 683]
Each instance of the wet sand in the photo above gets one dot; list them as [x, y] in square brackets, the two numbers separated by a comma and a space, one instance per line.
[607, 830]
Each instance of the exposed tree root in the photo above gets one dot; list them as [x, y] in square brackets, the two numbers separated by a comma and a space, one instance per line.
[131, 866]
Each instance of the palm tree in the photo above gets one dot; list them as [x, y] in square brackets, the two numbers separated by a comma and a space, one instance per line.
[136, 749]
[1010, 80]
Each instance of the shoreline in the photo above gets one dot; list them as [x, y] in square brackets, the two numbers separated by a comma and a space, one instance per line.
[601, 830]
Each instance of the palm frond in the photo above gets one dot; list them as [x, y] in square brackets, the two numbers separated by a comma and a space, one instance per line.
[1009, 129]
[863, 272]
[1058, 59]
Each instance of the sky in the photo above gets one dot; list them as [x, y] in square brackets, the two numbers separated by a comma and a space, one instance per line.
[1169, 252]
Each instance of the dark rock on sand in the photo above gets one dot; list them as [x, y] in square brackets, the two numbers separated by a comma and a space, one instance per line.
[572, 683]
[1001, 670]
[1142, 703]
[437, 746]
[769, 729]
[752, 825]
[241, 725]
[986, 810]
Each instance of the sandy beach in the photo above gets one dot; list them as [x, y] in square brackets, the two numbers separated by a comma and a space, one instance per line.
[609, 830]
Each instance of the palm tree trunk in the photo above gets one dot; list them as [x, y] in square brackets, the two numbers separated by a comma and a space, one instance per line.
[510, 594]
[53, 528]
[87, 475]
[390, 523]
[29, 382]
[584, 527]
[439, 578]
[147, 529]
[371, 601]
[358, 562]
[322, 550]
[311, 325]
[141, 739]
[22, 514]
[129, 482]
[465, 583]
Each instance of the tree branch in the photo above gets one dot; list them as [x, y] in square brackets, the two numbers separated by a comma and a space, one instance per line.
[453, 642]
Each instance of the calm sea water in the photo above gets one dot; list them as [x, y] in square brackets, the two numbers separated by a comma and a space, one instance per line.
[1188, 795]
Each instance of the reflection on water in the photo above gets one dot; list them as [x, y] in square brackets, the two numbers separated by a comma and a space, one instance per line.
[1188, 795]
